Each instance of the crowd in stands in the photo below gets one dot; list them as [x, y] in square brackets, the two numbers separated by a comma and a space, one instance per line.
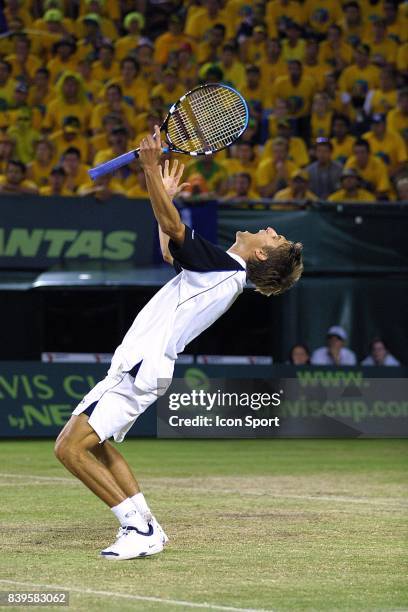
[336, 353]
[82, 81]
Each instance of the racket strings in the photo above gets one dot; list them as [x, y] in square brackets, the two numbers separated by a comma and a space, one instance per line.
[211, 117]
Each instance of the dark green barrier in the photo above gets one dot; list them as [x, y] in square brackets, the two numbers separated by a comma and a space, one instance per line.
[37, 232]
[36, 399]
[344, 238]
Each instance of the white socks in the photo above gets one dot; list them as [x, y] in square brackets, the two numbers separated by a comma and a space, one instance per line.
[141, 506]
[127, 514]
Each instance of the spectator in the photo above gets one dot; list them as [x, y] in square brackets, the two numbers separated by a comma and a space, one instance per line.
[24, 135]
[383, 49]
[14, 180]
[253, 49]
[76, 172]
[297, 89]
[135, 90]
[397, 118]
[133, 23]
[70, 100]
[7, 85]
[64, 58]
[352, 23]
[322, 116]
[170, 90]
[19, 102]
[372, 171]
[6, 151]
[274, 172]
[384, 98]
[40, 94]
[233, 69]
[272, 64]
[342, 141]
[243, 159]
[402, 189]
[252, 89]
[311, 66]
[118, 140]
[139, 189]
[361, 72]
[324, 173]
[56, 185]
[293, 46]
[241, 188]
[24, 64]
[379, 355]
[113, 104]
[299, 355]
[334, 353]
[213, 174]
[350, 189]
[320, 14]
[209, 49]
[334, 51]
[388, 146]
[298, 190]
[106, 67]
[70, 136]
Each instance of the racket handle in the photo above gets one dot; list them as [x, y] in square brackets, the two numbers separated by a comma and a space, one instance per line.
[113, 164]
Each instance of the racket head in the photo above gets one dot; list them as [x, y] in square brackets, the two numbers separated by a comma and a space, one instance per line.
[207, 119]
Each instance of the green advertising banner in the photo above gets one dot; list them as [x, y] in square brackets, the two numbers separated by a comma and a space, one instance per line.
[36, 399]
[38, 232]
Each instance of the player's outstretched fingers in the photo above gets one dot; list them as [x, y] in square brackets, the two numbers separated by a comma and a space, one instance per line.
[174, 168]
[180, 173]
[166, 169]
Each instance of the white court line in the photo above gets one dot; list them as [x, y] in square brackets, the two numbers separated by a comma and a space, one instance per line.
[159, 600]
[152, 485]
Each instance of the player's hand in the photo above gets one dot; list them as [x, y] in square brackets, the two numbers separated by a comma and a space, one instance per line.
[171, 180]
[151, 149]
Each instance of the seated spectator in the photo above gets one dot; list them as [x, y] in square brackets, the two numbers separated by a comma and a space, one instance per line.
[103, 188]
[351, 190]
[253, 48]
[383, 49]
[397, 118]
[324, 173]
[135, 90]
[209, 49]
[133, 23]
[144, 57]
[7, 85]
[388, 146]
[186, 65]
[24, 64]
[342, 141]
[384, 98]
[298, 190]
[297, 152]
[372, 171]
[171, 40]
[279, 11]
[322, 116]
[395, 26]
[76, 171]
[63, 58]
[311, 66]
[241, 188]
[352, 23]
[207, 17]
[361, 72]
[19, 102]
[14, 181]
[338, 103]
[41, 94]
[232, 68]
[48, 30]
[170, 90]
[293, 46]
[6, 150]
[113, 103]
[320, 14]
[299, 355]
[70, 136]
[334, 51]
[118, 141]
[56, 185]
[402, 189]
[106, 67]
[272, 65]
[252, 89]
[96, 8]
[24, 135]
[243, 159]
[99, 141]
[334, 353]
[70, 100]
[274, 172]
[379, 355]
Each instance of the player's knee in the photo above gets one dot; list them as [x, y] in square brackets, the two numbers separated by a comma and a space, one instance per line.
[65, 450]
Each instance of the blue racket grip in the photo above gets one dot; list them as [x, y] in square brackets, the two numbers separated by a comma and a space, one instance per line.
[112, 164]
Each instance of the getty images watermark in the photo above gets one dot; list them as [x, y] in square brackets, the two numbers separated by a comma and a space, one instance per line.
[207, 401]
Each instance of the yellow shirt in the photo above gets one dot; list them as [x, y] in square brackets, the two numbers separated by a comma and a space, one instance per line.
[362, 195]
[322, 13]
[234, 74]
[31, 65]
[342, 150]
[256, 95]
[293, 53]
[387, 49]
[287, 195]
[391, 150]
[73, 182]
[316, 73]
[100, 73]
[7, 93]
[169, 97]
[26, 184]
[235, 166]
[166, 43]
[328, 54]
[321, 126]
[126, 176]
[61, 145]
[266, 172]
[38, 173]
[57, 67]
[298, 97]
[275, 11]
[100, 110]
[113, 185]
[368, 77]
[402, 58]
[201, 22]
[297, 151]
[383, 101]
[137, 192]
[46, 191]
[58, 110]
[136, 94]
[398, 122]
[125, 45]
[271, 71]
[374, 174]
[254, 52]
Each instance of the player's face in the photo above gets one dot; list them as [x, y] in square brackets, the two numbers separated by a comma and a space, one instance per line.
[264, 238]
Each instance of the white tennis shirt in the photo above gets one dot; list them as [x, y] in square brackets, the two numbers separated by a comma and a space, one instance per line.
[208, 283]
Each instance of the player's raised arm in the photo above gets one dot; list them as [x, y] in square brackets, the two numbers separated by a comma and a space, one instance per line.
[171, 178]
[166, 214]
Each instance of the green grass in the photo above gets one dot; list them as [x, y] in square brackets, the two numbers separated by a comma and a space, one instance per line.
[274, 524]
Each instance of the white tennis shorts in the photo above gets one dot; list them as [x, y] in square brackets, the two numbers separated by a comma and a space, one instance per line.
[113, 405]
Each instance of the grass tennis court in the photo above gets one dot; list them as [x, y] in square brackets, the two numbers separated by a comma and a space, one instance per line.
[262, 524]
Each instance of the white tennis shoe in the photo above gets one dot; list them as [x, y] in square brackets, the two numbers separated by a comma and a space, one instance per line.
[133, 543]
[156, 526]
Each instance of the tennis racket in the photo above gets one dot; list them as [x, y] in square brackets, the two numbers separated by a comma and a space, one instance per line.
[205, 120]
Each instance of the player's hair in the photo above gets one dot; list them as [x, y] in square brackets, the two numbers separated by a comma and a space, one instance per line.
[280, 271]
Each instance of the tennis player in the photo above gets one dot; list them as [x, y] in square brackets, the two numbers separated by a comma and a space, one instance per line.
[208, 282]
